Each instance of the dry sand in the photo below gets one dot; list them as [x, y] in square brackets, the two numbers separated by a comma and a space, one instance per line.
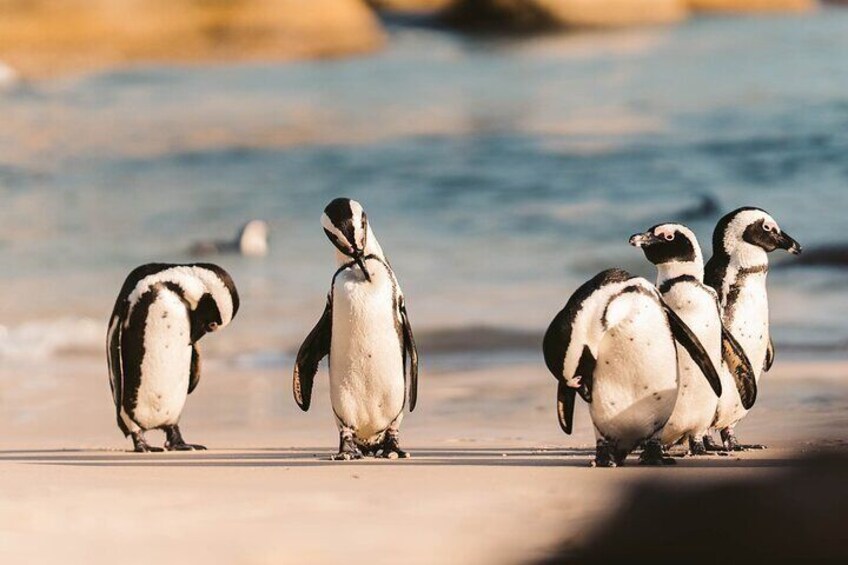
[492, 479]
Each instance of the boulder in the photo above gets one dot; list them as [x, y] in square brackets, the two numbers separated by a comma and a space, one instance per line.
[40, 37]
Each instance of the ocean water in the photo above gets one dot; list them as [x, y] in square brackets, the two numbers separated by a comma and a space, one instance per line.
[498, 175]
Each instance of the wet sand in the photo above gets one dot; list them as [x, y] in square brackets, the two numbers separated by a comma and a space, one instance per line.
[492, 479]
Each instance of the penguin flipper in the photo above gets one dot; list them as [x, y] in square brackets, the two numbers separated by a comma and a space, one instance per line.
[410, 350]
[565, 406]
[315, 347]
[740, 367]
[115, 366]
[769, 356]
[690, 342]
[194, 376]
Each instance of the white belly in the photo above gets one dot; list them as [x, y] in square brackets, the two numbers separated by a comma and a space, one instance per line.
[748, 320]
[166, 364]
[635, 379]
[367, 388]
[696, 404]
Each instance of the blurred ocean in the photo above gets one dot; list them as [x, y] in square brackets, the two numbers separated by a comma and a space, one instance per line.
[497, 174]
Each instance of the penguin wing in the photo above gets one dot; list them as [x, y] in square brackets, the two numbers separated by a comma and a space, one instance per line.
[769, 356]
[565, 406]
[410, 351]
[740, 367]
[113, 345]
[194, 376]
[315, 347]
[690, 342]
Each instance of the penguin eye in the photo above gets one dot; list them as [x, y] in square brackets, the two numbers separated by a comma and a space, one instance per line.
[668, 236]
[768, 227]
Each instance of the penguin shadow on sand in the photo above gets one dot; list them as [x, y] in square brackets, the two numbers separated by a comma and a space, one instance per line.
[320, 457]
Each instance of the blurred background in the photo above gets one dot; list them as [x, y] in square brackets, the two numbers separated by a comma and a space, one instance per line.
[505, 150]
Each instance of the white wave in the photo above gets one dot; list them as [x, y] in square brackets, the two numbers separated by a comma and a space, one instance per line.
[48, 338]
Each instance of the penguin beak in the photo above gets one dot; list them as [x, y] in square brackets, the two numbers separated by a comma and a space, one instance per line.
[361, 263]
[643, 239]
[784, 241]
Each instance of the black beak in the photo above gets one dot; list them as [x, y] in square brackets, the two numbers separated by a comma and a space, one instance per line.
[784, 241]
[643, 239]
[361, 264]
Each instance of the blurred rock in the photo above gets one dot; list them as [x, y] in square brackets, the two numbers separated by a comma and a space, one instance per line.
[752, 5]
[528, 15]
[8, 76]
[45, 37]
[412, 6]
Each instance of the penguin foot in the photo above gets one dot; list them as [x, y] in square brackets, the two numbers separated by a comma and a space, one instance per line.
[711, 445]
[604, 455]
[728, 437]
[391, 449]
[653, 454]
[348, 450]
[140, 445]
[174, 441]
[697, 447]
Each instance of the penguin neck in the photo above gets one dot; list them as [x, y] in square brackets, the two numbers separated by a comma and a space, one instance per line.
[747, 256]
[674, 269]
[372, 247]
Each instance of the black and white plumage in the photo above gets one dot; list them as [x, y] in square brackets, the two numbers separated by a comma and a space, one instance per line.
[161, 312]
[366, 333]
[614, 344]
[737, 271]
[675, 251]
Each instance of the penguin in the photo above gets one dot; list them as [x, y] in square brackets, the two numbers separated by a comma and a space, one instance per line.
[675, 251]
[250, 241]
[366, 333]
[737, 272]
[161, 313]
[613, 344]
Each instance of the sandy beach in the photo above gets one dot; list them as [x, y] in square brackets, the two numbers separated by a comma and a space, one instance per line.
[492, 479]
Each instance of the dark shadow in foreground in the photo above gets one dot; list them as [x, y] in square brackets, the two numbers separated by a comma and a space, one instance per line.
[796, 516]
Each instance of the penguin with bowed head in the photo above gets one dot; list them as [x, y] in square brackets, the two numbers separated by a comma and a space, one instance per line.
[613, 344]
[366, 333]
[737, 271]
[161, 313]
[675, 251]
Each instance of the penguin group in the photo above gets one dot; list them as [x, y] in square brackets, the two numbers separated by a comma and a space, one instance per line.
[659, 364]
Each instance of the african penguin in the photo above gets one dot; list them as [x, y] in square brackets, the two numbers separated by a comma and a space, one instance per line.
[737, 271]
[675, 251]
[250, 241]
[365, 331]
[613, 343]
[161, 313]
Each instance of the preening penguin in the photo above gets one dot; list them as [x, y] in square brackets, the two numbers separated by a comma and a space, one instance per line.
[161, 312]
[674, 249]
[613, 344]
[737, 271]
[365, 330]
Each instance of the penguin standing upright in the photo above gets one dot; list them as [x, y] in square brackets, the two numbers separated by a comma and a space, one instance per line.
[365, 331]
[613, 343]
[675, 251]
[161, 313]
[737, 271]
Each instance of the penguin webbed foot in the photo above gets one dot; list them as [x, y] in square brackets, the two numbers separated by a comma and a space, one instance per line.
[390, 449]
[348, 450]
[605, 455]
[654, 454]
[728, 438]
[697, 447]
[174, 441]
[140, 445]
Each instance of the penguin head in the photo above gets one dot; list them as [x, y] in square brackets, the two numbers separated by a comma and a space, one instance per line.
[749, 229]
[346, 225]
[205, 318]
[668, 243]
